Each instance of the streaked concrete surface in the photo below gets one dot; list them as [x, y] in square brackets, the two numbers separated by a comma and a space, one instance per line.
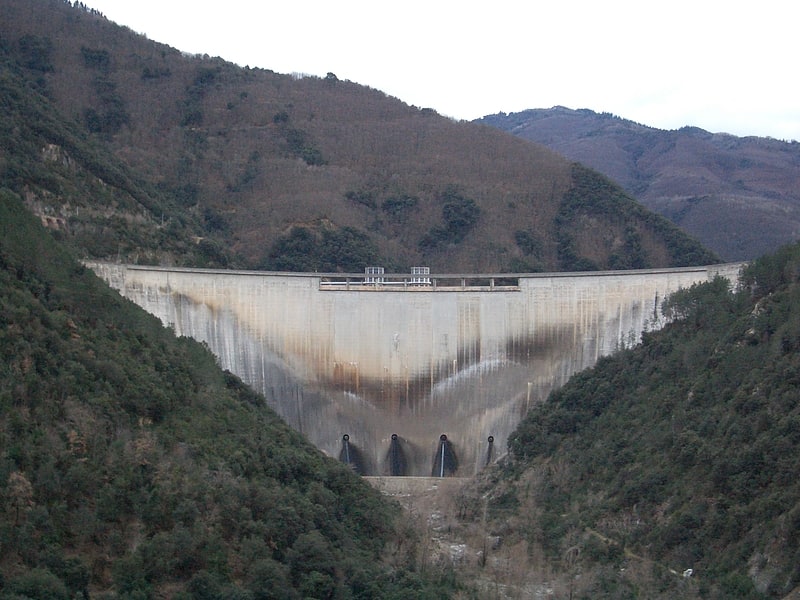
[415, 362]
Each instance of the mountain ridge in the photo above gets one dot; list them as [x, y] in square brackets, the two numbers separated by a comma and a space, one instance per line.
[737, 195]
[269, 170]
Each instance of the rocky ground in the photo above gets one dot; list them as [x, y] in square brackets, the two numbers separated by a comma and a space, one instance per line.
[452, 531]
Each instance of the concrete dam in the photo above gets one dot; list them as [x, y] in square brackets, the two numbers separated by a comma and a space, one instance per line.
[406, 375]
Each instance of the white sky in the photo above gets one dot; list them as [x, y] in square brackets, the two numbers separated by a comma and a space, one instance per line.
[725, 66]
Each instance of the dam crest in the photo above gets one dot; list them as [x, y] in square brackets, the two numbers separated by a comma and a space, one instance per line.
[412, 369]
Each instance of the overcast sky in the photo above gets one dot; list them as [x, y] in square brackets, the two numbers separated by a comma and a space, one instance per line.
[725, 66]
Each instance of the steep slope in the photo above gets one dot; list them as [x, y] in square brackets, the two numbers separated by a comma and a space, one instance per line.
[670, 469]
[314, 173]
[738, 196]
[83, 194]
[132, 467]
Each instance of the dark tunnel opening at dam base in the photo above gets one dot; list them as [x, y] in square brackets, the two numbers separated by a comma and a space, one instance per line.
[444, 462]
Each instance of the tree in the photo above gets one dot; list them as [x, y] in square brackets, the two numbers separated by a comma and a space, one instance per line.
[36, 52]
[20, 493]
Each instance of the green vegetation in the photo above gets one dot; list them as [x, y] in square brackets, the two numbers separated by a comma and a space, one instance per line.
[36, 53]
[96, 59]
[149, 73]
[298, 143]
[528, 243]
[132, 467]
[345, 250]
[681, 451]
[532, 249]
[192, 104]
[400, 208]
[97, 204]
[363, 197]
[459, 215]
[593, 199]
[112, 114]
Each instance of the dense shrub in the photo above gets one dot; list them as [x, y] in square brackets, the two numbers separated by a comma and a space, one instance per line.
[130, 463]
[399, 208]
[345, 250]
[593, 198]
[96, 58]
[459, 217]
[36, 52]
[689, 432]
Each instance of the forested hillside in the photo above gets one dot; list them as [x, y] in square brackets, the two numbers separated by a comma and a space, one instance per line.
[670, 469]
[139, 153]
[738, 196]
[132, 467]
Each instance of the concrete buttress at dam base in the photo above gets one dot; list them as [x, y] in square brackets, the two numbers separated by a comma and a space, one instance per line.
[336, 357]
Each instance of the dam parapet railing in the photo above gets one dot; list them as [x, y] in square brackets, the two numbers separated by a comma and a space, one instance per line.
[413, 283]
[419, 279]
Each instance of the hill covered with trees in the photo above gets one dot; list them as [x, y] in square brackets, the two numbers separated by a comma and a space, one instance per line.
[670, 469]
[131, 466]
[738, 196]
[137, 152]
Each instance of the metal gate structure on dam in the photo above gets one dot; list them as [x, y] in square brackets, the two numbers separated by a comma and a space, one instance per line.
[406, 374]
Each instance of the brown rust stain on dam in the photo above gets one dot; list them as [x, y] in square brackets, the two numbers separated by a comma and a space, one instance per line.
[338, 357]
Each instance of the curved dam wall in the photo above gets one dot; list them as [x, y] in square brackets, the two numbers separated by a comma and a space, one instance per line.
[337, 359]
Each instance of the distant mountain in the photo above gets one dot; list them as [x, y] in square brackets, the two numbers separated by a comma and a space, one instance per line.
[134, 151]
[738, 196]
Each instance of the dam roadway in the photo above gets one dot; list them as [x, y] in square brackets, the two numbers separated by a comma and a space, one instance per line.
[399, 362]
